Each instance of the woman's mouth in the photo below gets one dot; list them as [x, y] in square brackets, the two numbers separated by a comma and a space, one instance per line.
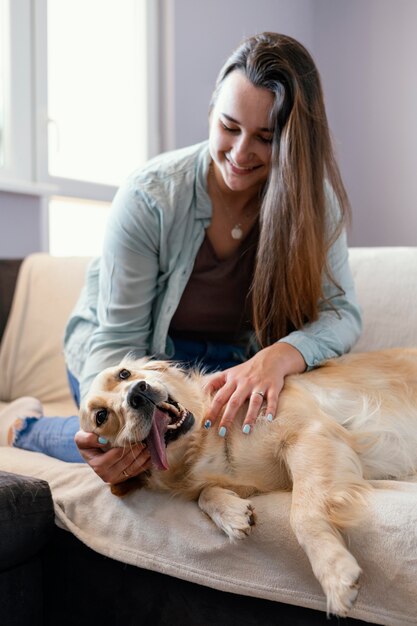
[241, 170]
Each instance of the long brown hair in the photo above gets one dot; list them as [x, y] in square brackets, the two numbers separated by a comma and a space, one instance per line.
[294, 235]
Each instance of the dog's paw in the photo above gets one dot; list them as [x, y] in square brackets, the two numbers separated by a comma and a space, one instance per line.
[236, 519]
[341, 586]
[233, 515]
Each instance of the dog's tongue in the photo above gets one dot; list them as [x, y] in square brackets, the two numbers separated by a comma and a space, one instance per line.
[155, 440]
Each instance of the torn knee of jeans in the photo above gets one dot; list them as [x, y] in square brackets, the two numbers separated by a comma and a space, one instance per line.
[17, 429]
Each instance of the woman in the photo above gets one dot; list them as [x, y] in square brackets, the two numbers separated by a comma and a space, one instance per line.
[230, 253]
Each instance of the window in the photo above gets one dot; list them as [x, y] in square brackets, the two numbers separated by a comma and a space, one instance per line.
[95, 93]
[76, 227]
[78, 104]
[3, 76]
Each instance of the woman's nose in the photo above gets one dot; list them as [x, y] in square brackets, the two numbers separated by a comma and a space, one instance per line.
[242, 150]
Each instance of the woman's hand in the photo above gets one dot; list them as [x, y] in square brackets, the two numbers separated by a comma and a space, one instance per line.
[259, 380]
[113, 465]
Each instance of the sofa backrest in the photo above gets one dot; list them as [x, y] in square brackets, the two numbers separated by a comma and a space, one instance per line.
[31, 357]
[31, 352]
[386, 286]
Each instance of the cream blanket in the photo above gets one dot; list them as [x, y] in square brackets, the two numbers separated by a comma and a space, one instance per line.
[171, 536]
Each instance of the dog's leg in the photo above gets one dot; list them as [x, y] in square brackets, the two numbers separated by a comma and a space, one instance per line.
[232, 514]
[328, 495]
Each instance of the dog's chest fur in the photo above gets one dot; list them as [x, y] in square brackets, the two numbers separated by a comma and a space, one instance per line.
[238, 461]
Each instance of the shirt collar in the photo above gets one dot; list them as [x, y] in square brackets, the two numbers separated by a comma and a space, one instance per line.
[202, 198]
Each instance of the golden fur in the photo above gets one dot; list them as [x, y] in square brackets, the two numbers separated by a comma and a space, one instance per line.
[337, 427]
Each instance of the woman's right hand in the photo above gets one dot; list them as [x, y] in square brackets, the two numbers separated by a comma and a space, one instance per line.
[113, 465]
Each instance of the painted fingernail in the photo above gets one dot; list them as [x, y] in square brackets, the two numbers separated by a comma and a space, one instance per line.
[222, 431]
[269, 417]
[207, 424]
[246, 429]
[103, 440]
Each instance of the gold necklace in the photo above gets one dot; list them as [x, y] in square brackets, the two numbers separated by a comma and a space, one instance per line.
[237, 230]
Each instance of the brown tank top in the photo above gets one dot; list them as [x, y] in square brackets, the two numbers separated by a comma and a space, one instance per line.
[216, 303]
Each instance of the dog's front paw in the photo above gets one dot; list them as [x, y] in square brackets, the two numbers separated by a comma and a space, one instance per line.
[341, 586]
[232, 514]
[237, 519]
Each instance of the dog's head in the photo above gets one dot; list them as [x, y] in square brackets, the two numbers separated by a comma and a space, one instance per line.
[142, 400]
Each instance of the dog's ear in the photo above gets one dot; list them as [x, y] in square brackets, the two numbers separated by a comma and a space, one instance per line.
[86, 418]
[144, 362]
[158, 366]
[83, 415]
[131, 484]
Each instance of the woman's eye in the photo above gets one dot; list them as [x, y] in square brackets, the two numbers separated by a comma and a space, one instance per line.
[101, 417]
[124, 374]
[229, 130]
[267, 140]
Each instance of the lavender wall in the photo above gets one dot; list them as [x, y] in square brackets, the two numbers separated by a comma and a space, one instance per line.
[22, 225]
[365, 50]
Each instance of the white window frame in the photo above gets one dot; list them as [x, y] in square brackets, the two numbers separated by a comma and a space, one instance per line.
[26, 124]
[17, 174]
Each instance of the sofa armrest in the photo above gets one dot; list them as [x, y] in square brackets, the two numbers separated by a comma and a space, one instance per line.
[26, 518]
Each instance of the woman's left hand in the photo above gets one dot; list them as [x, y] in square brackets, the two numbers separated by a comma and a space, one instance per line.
[258, 380]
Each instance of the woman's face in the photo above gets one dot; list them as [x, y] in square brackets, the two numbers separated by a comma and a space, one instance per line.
[240, 134]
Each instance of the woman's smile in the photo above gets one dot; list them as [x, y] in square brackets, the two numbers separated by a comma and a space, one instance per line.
[241, 170]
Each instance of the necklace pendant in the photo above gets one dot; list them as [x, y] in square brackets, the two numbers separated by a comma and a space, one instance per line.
[237, 232]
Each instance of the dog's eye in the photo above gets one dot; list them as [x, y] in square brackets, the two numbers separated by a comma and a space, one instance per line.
[124, 374]
[101, 417]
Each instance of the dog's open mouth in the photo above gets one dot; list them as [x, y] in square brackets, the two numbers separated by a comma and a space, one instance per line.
[170, 420]
[176, 412]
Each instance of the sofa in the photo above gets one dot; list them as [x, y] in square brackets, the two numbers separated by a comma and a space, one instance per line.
[151, 559]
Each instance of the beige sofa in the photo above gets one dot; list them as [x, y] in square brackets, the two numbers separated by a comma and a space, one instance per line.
[154, 532]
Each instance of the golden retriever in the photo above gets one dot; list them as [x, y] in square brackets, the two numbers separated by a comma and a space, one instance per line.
[337, 427]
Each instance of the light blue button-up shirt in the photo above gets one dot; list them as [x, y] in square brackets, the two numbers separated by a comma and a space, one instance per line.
[156, 227]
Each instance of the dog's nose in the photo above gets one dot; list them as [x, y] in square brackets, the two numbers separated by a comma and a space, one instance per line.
[137, 395]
